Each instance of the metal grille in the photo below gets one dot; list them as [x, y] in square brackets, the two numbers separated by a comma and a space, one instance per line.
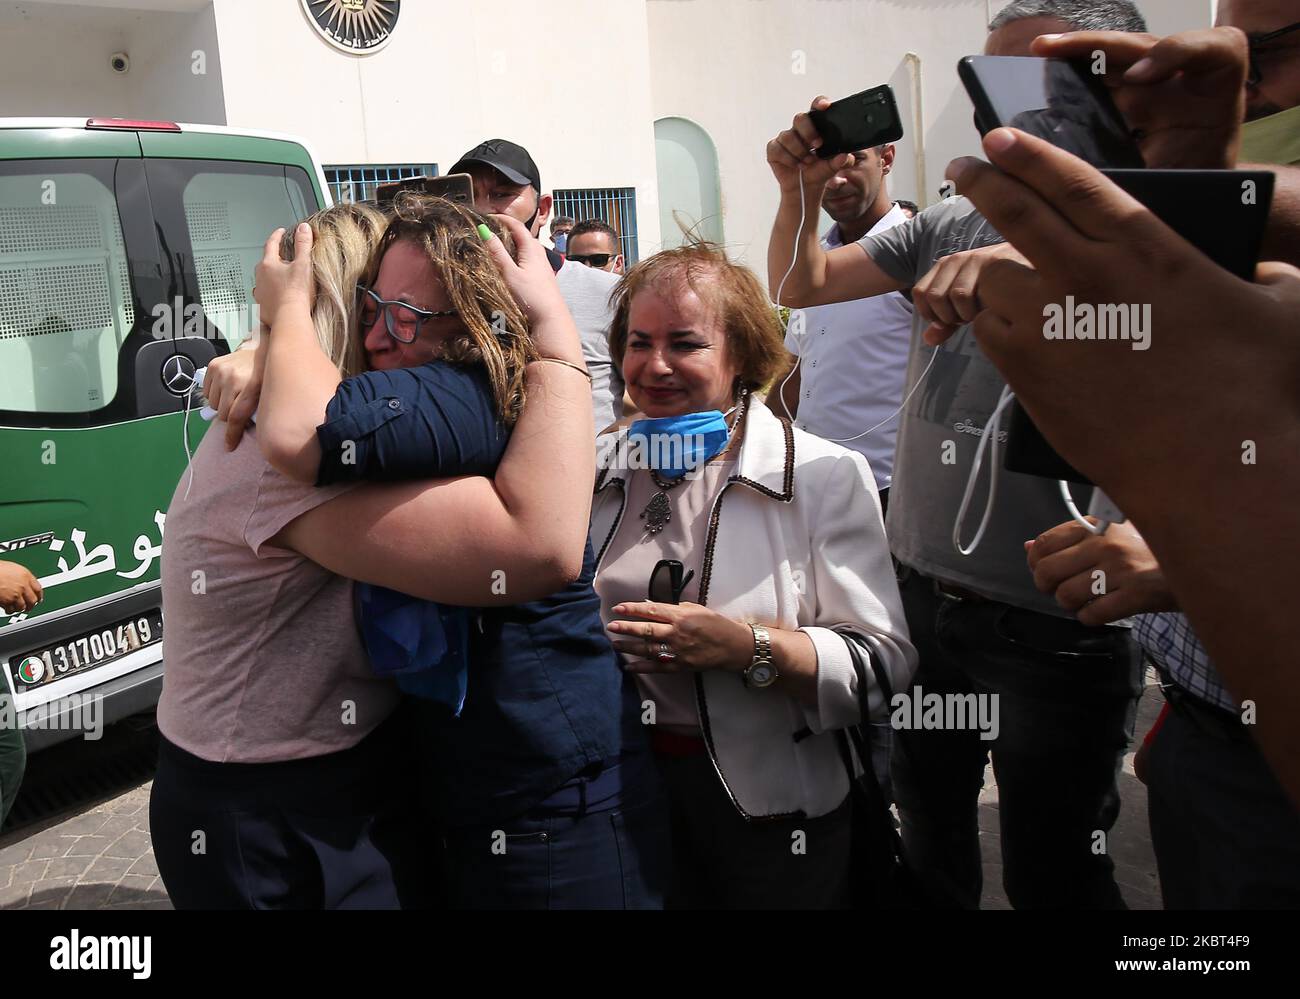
[57, 298]
[208, 221]
[614, 205]
[50, 228]
[359, 182]
[221, 281]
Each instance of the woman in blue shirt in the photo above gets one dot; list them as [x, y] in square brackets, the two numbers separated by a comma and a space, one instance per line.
[541, 781]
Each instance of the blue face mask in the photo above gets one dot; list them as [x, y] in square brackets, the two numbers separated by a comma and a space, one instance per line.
[561, 242]
[675, 445]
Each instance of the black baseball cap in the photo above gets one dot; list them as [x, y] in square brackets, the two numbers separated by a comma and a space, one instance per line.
[510, 158]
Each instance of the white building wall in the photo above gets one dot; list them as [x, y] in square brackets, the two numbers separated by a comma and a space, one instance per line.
[742, 68]
[54, 60]
[574, 89]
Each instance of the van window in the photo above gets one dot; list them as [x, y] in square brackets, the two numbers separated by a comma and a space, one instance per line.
[65, 291]
[229, 216]
[213, 218]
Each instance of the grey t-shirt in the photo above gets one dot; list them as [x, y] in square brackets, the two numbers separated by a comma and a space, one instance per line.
[586, 292]
[954, 405]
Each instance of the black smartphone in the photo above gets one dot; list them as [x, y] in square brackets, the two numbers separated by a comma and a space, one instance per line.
[458, 187]
[668, 580]
[858, 122]
[1060, 101]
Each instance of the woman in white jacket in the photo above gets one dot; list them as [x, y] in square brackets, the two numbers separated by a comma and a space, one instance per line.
[743, 654]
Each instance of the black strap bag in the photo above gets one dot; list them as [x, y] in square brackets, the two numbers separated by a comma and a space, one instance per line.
[879, 875]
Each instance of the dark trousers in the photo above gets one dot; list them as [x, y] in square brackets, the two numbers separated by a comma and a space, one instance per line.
[330, 832]
[1066, 704]
[13, 756]
[598, 842]
[1225, 834]
[722, 861]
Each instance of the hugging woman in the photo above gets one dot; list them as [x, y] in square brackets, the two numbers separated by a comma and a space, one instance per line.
[279, 737]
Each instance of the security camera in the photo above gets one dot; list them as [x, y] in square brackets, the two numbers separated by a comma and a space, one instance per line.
[120, 62]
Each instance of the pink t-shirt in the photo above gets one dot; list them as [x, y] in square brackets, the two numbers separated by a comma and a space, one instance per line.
[263, 659]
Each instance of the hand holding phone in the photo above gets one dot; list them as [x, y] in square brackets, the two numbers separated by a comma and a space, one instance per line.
[864, 120]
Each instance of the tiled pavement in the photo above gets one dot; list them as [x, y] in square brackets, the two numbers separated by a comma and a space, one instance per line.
[102, 858]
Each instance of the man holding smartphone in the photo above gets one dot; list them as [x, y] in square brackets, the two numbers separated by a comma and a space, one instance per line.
[849, 359]
[1065, 693]
[507, 182]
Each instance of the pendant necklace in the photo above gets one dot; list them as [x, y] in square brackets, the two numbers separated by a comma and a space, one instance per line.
[658, 511]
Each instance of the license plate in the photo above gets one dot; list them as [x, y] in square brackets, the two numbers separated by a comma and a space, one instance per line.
[85, 652]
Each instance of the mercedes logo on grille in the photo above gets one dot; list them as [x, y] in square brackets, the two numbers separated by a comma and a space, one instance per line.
[178, 374]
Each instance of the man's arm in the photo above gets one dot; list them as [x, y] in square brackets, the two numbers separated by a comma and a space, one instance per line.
[801, 274]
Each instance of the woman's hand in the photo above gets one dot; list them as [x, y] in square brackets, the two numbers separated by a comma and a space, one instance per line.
[532, 281]
[281, 284]
[233, 386]
[697, 638]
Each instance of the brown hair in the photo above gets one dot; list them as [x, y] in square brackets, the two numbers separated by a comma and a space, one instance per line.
[496, 330]
[730, 291]
[345, 238]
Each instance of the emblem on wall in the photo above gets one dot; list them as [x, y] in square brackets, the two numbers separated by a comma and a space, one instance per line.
[357, 26]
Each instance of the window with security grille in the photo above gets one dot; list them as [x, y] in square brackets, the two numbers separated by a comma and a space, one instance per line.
[65, 292]
[613, 205]
[228, 213]
[360, 182]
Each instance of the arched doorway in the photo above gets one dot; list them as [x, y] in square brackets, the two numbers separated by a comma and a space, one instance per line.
[687, 171]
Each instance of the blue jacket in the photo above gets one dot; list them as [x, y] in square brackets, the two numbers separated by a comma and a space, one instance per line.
[546, 697]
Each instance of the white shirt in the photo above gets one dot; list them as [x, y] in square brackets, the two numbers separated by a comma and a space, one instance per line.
[853, 364]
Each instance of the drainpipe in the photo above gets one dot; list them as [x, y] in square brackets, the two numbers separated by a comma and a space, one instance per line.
[918, 125]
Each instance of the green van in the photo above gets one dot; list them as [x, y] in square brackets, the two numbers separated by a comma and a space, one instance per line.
[127, 251]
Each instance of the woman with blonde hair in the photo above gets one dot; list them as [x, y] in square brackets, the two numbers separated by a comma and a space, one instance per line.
[744, 574]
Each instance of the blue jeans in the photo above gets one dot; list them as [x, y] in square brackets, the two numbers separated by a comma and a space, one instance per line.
[598, 842]
[1066, 702]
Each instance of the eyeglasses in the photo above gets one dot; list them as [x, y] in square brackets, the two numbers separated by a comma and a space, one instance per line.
[592, 259]
[402, 321]
[1256, 42]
